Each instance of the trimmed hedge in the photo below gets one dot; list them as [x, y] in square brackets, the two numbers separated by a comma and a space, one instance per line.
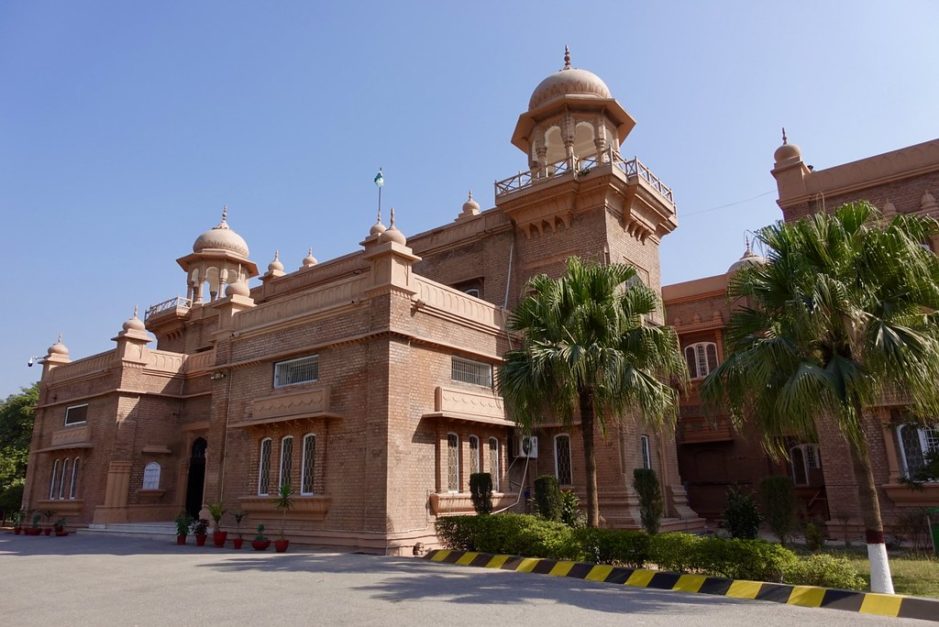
[532, 536]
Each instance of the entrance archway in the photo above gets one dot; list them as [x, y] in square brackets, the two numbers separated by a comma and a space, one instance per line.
[196, 481]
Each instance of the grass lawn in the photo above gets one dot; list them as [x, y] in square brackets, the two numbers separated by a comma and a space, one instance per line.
[917, 575]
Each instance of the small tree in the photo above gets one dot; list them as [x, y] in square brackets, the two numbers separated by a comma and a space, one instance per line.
[779, 505]
[284, 503]
[742, 516]
[216, 511]
[548, 497]
[571, 514]
[651, 506]
[481, 492]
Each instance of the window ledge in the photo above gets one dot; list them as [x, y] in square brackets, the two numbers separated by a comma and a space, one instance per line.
[453, 503]
[151, 492]
[903, 494]
[304, 507]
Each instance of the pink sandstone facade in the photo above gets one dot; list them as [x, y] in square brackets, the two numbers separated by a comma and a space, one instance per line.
[366, 381]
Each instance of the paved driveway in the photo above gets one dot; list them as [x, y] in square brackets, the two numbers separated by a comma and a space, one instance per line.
[95, 580]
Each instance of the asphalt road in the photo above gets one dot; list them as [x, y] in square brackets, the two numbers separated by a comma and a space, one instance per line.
[95, 580]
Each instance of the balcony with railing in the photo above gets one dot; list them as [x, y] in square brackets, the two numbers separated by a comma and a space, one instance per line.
[630, 169]
[177, 305]
[700, 429]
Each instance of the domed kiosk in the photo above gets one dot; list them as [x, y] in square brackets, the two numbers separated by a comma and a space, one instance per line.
[219, 258]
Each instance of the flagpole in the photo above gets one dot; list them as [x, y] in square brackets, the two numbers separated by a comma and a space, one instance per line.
[379, 183]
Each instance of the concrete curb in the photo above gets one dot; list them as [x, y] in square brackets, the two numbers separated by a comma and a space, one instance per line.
[806, 596]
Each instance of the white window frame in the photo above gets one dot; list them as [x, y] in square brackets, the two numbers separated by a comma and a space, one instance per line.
[151, 482]
[284, 366]
[264, 476]
[73, 487]
[494, 462]
[811, 460]
[645, 451]
[453, 471]
[699, 351]
[76, 422]
[570, 459]
[922, 438]
[55, 471]
[309, 437]
[474, 456]
[472, 291]
[66, 470]
[281, 465]
[471, 372]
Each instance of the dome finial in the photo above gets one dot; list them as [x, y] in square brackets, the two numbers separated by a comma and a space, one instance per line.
[135, 311]
[785, 139]
[277, 255]
[224, 223]
[392, 217]
[567, 58]
[746, 238]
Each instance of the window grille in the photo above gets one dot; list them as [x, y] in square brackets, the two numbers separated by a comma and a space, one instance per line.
[562, 459]
[309, 455]
[916, 445]
[474, 454]
[646, 451]
[63, 478]
[471, 372]
[55, 472]
[494, 463]
[286, 461]
[804, 458]
[264, 468]
[73, 489]
[293, 371]
[701, 359]
[151, 476]
[453, 462]
[76, 414]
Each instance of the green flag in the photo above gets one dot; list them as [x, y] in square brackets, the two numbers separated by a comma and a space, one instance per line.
[379, 179]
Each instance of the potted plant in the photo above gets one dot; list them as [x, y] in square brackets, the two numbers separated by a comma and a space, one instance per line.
[59, 527]
[200, 529]
[260, 542]
[48, 514]
[239, 517]
[35, 530]
[216, 511]
[284, 503]
[183, 522]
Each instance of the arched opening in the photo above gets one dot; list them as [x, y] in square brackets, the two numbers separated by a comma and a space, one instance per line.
[196, 482]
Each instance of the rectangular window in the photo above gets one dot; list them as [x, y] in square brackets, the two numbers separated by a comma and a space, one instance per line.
[286, 461]
[293, 371]
[453, 462]
[471, 372]
[474, 454]
[562, 459]
[55, 472]
[73, 489]
[309, 456]
[264, 468]
[76, 414]
[63, 480]
[646, 452]
[494, 463]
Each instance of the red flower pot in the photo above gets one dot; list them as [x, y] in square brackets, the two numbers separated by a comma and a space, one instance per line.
[219, 537]
[260, 545]
[237, 542]
[47, 531]
[281, 545]
[17, 530]
[200, 539]
[32, 531]
[180, 540]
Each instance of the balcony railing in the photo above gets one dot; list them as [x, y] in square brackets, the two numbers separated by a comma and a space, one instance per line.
[174, 304]
[631, 168]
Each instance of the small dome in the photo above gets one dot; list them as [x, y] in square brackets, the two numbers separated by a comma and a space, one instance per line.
[377, 229]
[309, 260]
[221, 237]
[787, 151]
[392, 234]
[275, 265]
[749, 258]
[470, 207]
[568, 81]
[134, 323]
[58, 348]
[238, 288]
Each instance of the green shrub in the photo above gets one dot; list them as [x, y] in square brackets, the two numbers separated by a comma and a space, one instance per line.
[675, 552]
[742, 559]
[614, 546]
[814, 536]
[548, 497]
[458, 532]
[651, 506]
[571, 514]
[481, 492]
[511, 534]
[824, 570]
[743, 519]
[779, 505]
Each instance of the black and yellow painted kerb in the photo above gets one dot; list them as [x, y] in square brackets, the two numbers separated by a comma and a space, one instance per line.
[805, 596]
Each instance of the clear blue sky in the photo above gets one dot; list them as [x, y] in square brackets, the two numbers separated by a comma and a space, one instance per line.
[125, 126]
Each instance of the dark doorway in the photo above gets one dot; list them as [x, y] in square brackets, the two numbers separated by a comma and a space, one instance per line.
[196, 477]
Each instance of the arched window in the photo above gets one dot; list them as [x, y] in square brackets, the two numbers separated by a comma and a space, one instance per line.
[264, 468]
[562, 459]
[453, 462]
[701, 359]
[494, 463]
[804, 458]
[55, 473]
[63, 479]
[646, 451]
[307, 467]
[73, 488]
[474, 454]
[286, 461]
[151, 476]
[916, 444]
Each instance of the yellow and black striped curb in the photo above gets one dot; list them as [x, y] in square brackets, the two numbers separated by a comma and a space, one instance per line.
[805, 596]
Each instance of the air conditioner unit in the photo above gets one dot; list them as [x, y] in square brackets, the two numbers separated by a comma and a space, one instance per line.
[526, 446]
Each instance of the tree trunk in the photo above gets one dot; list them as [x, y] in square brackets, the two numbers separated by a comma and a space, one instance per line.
[869, 504]
[590, 461]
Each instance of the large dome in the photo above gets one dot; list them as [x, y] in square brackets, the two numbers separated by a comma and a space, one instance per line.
[568, 81]
[221, 237]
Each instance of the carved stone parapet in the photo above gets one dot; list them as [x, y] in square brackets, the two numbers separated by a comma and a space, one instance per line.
[450, 504]
[303, 507]
[282, 407]
[476, 406]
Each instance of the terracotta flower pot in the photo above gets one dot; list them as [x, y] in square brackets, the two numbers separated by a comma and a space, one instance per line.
[200, 539]
[237, 542]
[281, 545]
[181, 540]
[47, 531]
[260, 545]
[219, 537]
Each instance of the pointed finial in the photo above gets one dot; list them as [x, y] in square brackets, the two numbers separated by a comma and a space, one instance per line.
[785, 139]
[469, 196]
[277, 255]
[747, 239]
[59, 341]
[135, 311]
[309, 251]
[567, 58]
[392, 216]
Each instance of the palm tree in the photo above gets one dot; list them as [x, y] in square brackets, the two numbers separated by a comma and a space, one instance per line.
[588, 345]
[844, 310]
